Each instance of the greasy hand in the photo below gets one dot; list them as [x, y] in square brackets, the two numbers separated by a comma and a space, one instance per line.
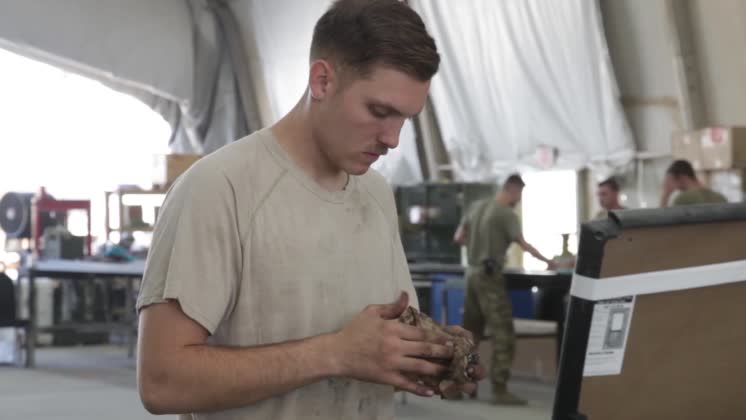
[478, 372]
[376, 347]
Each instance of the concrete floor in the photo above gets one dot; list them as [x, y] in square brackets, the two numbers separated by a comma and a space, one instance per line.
[81, 383]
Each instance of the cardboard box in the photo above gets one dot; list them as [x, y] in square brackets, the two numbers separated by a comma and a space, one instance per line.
[723, 147]
[167, 168]
[686, 145]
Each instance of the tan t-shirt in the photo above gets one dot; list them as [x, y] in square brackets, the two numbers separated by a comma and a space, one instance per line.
[258, 253]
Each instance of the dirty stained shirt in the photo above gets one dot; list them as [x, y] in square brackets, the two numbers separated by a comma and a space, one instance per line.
[258, 253]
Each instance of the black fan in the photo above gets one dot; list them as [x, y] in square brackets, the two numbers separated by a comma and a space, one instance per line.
[15, 215]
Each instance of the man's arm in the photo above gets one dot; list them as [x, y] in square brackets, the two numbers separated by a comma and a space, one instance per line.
[521, 241]
[668, 189]
[178, 372]
[459, 237]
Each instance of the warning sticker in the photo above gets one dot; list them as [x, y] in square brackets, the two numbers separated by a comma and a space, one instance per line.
[608, 336]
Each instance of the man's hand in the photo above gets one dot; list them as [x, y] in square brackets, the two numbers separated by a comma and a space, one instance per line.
[552, 265]
[376, 347]
[521, 241]
[478, 372]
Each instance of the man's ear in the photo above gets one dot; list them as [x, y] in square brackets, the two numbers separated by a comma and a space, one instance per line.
[321, 76]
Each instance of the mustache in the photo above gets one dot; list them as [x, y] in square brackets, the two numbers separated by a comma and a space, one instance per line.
[381, 151]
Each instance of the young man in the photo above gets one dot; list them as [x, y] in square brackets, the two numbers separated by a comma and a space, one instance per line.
[487, 230]
[680, 177]
[276, 271]
[608, 197]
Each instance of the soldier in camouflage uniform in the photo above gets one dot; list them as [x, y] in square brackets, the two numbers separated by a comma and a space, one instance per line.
[488, 228]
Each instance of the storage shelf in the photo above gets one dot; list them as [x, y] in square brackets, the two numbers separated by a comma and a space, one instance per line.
[120, 193]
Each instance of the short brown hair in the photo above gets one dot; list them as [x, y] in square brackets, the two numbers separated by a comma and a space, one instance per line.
[514, 180]
[610, 182]
[682, 168]
[359, 34]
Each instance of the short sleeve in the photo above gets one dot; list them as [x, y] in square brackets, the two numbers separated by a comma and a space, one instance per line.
[196, 255]
[683, 199]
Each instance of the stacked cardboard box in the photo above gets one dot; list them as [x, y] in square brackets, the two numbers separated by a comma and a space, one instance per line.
[166, 168]
[686, 145]
[718, 154]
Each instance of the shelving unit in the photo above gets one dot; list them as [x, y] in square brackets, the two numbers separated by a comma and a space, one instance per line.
[120, 193]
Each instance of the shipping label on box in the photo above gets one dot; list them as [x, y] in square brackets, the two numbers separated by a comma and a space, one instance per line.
[607, 340]
[716, 146]
[723, 147]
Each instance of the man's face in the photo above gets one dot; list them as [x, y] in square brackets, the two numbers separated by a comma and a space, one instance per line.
[673, 182]
[607, 197]
[357, 122]
[515, 194]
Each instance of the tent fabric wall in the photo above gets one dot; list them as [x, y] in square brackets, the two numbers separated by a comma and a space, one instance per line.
[214, 115]
[520, 75]
[171, 55]
[281, 30]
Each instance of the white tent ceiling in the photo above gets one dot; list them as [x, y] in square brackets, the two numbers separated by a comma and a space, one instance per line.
[140, 43]
[176, 56]
[170, 54]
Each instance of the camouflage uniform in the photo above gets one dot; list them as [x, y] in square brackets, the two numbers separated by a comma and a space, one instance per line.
[487, 304]
[490, 229]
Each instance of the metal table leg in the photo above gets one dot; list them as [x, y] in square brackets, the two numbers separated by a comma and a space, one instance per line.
[129, 317]
[31, 336]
